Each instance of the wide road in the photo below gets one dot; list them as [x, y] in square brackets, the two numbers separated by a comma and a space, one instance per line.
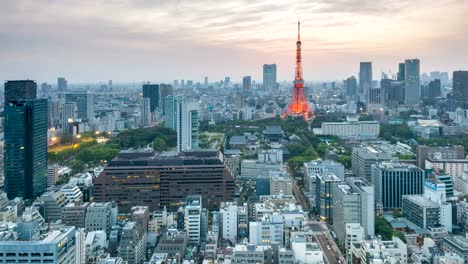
[329, 256]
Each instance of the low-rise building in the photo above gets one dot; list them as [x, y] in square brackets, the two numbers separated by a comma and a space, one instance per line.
[56, 246]
[456, 245]
[378, 251]
[421, 211]
[74, 214]
[354, 235]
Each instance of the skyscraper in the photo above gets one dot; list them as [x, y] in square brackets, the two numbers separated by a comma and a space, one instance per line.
[350, 86]
[227, 81]
[145, 111]
[164, 91]
[68, 115]
[62, 84]
[269, 77]
[172, 105]
[433, 89]
[365, 78]
[151, 91]
[25, 152]
[401, 72]
[206, 81]
[460, 88]
[246, 83]
[84, 102]
[20, 90]
[412, 82]
[187, 127]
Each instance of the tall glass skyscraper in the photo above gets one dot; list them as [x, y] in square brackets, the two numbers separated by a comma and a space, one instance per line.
[25, 156]
[152, 92]
[365, 79]
[269, 77]
[460, 89]
[412, 82]
[84, 102]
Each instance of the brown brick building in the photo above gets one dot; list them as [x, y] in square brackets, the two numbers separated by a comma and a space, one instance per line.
[157, 180]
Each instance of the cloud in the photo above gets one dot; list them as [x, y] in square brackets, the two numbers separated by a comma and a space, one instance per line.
[58, 32]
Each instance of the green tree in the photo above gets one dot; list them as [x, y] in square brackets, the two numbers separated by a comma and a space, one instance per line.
[159, 144]
[77, 166]
[382, 228]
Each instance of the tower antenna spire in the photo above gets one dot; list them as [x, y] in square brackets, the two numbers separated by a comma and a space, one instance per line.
[298, 29]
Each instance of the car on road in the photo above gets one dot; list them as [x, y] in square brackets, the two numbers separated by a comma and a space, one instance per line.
[328, 247]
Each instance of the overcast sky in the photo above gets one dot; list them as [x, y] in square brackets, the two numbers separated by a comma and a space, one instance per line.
[163, 40]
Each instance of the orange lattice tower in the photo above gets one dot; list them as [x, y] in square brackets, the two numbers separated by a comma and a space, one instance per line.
[298, 107]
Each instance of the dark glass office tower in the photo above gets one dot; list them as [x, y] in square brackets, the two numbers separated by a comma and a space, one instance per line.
[460, 89]
[151, 91]
[20, 90]
[25, 152]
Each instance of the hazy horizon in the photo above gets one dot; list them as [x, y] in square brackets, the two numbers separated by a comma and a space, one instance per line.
[132, 41]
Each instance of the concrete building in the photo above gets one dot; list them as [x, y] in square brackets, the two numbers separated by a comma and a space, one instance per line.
[421, 211]
[353, 203]
[355, 234]
[52, 175]
[362, 130]
[132, 247]
[274, 156]
[435, 191]
[378, 251]
[453, 167]
[193, 211]
[74, 214]
[306, 251]
[461, 183]
[248, 254]
[229, 220]
[56, 246]
[324, 167]
[72, 193]
[362, 160]
[424, 153]
[319, 167]
[98, 217]
[267, 230]
[393, 180]
[50, 205]
[173, 243]
[141, 215]
[456, 245]
[254, 169]
[280, 185]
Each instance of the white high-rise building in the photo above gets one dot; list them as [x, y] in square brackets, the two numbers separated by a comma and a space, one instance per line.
[187, 127]
[193, 214]
[145, 112]
[229, 221]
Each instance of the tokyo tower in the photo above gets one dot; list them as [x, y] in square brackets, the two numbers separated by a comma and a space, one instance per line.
[298, 107]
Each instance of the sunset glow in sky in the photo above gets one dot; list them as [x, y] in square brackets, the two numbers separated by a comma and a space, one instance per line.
[163, 40]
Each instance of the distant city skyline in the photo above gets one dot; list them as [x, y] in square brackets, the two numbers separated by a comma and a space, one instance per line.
[163, 40]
